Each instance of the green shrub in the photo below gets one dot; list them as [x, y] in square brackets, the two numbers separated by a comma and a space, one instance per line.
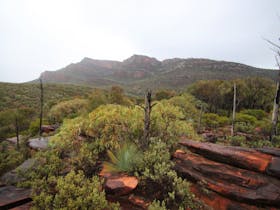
[212, 120]
[257, 113]
[74, 191]
[47, 164]
[187, 104]
[157, 205]
[243, 127]
[164, 94]
[245, 118]
[10, 158]
[168, 123]
[276, 141]
[238, 140]
[34, 127]
[264, 126]
[67, 109]
[114, 125]
[84, 157]
[259, 144]
[155, 172]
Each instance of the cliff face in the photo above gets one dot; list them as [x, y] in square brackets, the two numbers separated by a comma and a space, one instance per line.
[140, 72]
[233, 176]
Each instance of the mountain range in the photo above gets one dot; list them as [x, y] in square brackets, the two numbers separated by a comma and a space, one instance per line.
[139, 72]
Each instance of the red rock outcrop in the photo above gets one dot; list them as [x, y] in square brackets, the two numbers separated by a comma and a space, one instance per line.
[250, 159]
[236, 177]
[120, 184]
[218, 202]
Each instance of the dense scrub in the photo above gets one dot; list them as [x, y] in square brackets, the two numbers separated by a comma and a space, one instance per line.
[104, 130]
[84, 141]
[252, 93]
[25, 100]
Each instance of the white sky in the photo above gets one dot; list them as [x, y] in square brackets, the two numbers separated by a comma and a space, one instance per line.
[40, 35]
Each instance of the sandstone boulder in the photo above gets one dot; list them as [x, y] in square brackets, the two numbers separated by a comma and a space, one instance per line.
[120, 184]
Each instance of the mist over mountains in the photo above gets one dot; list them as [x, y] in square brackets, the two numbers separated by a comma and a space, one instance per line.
[139, 72]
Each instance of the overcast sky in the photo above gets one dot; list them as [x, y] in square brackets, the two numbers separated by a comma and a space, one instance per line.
[47, 35]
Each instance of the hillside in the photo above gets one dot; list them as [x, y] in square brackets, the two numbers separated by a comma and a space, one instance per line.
[139, 72]
[14, 96]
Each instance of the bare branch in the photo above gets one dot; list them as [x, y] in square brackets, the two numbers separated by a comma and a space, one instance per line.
[274, 50]
[272, 43]
[153, 105]
[277, 62]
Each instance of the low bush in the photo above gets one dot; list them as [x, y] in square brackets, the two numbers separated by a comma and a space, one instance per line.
[238, 140]
[67, 109]
[245, 118]
[10, 158]
[211, 120]
[158, 178]
[74, 191]
[257, 113]
[243, 127]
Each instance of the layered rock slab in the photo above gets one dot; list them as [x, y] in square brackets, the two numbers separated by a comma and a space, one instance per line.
[247, 158]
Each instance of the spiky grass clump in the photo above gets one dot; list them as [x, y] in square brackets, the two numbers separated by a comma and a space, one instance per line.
[123, 160]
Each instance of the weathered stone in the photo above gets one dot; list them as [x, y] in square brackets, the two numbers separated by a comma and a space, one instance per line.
[274, 167]
[218, 202]
[210, 137]
[120, 184]
[237, 156]
[234, 183]
[39, 143]
[48, 128]
[13, 177]
[11, 197]
[270, 151]
[14, 139]
[26, 206]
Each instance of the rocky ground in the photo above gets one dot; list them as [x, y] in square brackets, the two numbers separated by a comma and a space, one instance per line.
[223, 177]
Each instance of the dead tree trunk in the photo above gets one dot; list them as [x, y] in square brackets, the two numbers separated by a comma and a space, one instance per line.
[147, 117]
[200, 118]
[233, 109]
[17, 131]
[275, 109]
[275, 112]
[41, 106]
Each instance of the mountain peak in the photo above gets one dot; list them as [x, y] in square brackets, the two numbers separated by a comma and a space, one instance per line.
[86, 60]
[140, 59]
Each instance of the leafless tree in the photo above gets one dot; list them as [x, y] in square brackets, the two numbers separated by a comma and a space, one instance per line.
[147, 117]
[233, 109]
[200, 118]
[275, 112]
[17, 130]
[41, 106]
